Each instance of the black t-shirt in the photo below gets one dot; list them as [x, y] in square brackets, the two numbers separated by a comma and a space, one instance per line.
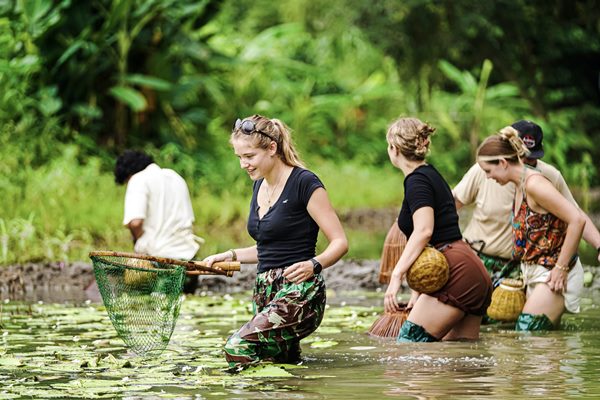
[286, 234]
[425, 187]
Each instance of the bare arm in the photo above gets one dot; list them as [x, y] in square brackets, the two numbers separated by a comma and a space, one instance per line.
[136, 227]
[246, 255]
[590, 233]
[423, 221]
[458, 204]
[546, 197]
[320, 209]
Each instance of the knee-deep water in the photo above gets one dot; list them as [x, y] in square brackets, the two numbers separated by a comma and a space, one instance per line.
[72, 351]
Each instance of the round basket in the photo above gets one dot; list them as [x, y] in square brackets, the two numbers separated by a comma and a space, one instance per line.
[429, 272]
[508, 300]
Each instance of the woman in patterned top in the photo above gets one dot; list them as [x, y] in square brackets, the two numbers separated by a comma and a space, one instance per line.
[289, 205]
[546, 232]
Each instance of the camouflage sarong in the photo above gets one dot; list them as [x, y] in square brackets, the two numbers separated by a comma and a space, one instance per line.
[284, 313]
[499, 268]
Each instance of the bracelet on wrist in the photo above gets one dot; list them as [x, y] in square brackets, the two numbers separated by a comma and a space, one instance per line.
[233, 255]
[562, 268]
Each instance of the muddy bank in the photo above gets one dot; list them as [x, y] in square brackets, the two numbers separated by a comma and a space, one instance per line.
[59, 282]
[75, 282]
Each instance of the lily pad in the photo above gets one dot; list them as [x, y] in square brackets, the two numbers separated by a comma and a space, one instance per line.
[323, 344]
[265, 371]
[10, 362]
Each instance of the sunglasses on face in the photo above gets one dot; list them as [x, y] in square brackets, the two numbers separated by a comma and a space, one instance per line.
[248, 127]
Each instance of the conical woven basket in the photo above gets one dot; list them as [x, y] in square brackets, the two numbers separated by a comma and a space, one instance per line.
[429, 272]
[393, 246]
[508, 300]
[389, 323]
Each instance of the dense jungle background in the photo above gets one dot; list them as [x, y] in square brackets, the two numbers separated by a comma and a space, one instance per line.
[82, 80]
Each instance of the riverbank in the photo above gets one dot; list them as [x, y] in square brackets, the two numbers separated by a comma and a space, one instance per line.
[59, 282]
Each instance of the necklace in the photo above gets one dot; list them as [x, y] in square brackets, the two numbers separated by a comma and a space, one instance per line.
[270, 195]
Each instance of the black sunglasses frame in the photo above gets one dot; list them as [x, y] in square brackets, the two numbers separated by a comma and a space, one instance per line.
[248, 127]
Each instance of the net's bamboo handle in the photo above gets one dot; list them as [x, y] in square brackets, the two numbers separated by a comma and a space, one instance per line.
[194, 272]
[224, 265]
[200, 266]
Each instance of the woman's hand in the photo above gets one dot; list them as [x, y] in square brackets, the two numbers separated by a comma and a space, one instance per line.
[557, 280]
[299, 272]
[414, 295]
[390, 301]
[226, 256]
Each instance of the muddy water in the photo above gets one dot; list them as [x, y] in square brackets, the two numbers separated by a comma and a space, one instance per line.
[71, 351]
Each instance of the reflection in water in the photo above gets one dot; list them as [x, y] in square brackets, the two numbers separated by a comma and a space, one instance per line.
[422, 370]
[502, 364]
[44, 346]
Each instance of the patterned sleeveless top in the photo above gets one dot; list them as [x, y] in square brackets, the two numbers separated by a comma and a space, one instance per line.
[538, 238]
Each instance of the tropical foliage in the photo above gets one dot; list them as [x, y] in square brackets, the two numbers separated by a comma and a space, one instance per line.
[81, 81]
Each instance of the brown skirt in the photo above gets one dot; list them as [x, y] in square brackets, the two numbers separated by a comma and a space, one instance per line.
[469, 287]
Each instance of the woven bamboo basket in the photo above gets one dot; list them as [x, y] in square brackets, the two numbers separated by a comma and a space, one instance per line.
[429, 272]
[389, 323]
[508, 300]
[393, 246]
[137, 277]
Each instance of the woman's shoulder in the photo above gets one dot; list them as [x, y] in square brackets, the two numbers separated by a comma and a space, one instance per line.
[422, 173]
[536, 182]
[305, 179]
[303, 174]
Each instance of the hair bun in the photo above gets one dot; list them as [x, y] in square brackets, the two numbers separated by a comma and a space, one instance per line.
[511, 135]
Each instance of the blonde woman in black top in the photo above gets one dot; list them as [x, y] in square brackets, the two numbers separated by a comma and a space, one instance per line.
[289, 205]
[428, 217]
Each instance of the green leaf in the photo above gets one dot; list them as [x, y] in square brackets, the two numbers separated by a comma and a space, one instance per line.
[69, 52]
[134, 99]
[148, 81]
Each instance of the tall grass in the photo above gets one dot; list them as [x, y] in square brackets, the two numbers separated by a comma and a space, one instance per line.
[62, 209]
[67, 207]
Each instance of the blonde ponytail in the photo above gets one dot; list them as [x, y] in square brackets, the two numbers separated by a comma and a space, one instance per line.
[285, 146]
[272, 130]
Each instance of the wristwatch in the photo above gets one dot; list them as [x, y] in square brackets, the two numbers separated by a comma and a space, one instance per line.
[317, 267]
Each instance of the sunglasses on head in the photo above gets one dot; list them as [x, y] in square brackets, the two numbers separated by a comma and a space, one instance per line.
[248, 127]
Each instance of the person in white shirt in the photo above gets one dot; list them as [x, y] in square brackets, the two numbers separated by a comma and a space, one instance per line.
[489, 230]
[158, 210]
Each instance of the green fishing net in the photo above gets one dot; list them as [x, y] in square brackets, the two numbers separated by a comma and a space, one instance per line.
[142, 298]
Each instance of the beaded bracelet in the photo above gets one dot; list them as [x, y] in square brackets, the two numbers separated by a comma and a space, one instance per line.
[233, 255]
[560, 267]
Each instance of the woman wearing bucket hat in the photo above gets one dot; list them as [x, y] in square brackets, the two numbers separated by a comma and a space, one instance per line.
[428, 217]
[546, 231]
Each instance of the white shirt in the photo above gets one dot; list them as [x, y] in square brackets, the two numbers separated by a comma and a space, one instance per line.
[161, 198]
[491, 215]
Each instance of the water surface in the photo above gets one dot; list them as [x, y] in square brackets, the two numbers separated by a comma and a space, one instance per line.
[72, 351]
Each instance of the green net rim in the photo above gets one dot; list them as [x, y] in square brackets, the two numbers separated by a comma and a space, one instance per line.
[168, 267]
[192, 267]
